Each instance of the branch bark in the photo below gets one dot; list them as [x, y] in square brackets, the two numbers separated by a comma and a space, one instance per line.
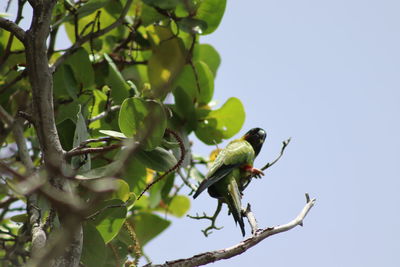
[13, 28]
[260, 235]
[41, 80]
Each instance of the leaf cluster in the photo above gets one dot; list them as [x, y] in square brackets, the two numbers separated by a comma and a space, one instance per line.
[127, 85]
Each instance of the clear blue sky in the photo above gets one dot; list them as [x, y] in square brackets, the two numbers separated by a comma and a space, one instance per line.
[327, 74]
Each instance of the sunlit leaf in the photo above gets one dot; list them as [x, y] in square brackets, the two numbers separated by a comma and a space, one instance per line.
[111, 218]
[163, 4]
[112, 133]
[166, 61]
[222, 123]
[179, 206]
[122, 191]
[211, 12]
[143, 220]
[210, 56]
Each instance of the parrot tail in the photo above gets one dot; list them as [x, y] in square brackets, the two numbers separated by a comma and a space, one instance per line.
[234, 202]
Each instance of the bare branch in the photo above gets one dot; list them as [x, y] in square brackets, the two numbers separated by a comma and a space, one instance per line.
[92, 35]
[13, 28]
[90, 150]
[251, 218]
[284, 145]
[104, 113]
[260, 235]
[207, 231]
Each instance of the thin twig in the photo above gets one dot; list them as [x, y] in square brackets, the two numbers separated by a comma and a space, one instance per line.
[260, 235]
[186, 181]
[207, 231]
[91, 150]
[93, 35]
[175, 167]
[104, 113]
[284, 145]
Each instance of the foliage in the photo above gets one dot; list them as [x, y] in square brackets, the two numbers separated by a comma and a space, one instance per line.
[147, 76]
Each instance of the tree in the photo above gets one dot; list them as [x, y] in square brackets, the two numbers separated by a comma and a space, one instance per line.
[98, 133]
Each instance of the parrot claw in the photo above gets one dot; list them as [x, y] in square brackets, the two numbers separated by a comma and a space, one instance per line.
[257, 172]
[254, 171]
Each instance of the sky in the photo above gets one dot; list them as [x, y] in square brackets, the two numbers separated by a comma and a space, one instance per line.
[326, 74]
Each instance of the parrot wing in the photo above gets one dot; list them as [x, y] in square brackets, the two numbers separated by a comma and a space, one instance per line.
[237, 153]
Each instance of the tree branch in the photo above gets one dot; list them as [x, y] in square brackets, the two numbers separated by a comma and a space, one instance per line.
[260, 235]
[251, 218]
[91, 36]
[284, 145]
[90, 150]
[104, 113]
[13, 28]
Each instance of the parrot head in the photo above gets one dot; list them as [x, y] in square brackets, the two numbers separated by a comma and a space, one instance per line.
[256, 138]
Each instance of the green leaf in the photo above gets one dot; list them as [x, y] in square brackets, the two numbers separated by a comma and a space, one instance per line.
[192, 25]
[119, 88]
[99, 105]
[114, 134]
[184, 106]
[65, 133]
[135, 176]
[148, 14]
[198, 82]
[111, 219]
[64, 82]
[134, 119]
[211, 11]
[81, 67]
[20, 218]
[117, 253]
[179, 206]
[148, 226]
[94, 248]
[157, 159]
[210, 56]
[222, 123]
[81, 134]
[98, 172]
[67, 111]
[163, 4]
[166, 61]
[160, 190]
[122, 192]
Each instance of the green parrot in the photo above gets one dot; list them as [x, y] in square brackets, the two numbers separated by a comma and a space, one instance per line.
[230, 173]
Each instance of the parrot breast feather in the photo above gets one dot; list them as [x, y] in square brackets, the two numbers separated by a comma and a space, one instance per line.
[237, 153]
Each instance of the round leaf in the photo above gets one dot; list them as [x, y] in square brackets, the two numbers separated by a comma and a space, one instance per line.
[211, 12]
[137, 115]
[222, 123]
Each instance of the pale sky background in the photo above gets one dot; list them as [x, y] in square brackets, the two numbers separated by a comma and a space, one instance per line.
[327, 74]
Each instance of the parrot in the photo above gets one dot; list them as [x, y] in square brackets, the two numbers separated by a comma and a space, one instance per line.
[232, 170]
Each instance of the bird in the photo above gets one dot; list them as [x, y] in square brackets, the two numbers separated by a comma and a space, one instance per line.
[232, 170]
